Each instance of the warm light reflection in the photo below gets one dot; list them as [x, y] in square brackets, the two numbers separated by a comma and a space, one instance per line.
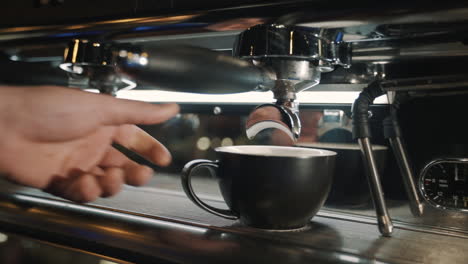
[8, 205]
[75, 27]
[65, 53]
[117, 21]
[115, 230]
[20, 29]
[168, 19]
[100, 23]
[146, 20]
[75, 51]
[106, 213]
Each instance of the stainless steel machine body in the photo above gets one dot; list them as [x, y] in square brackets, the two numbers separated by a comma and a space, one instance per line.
[283, 47]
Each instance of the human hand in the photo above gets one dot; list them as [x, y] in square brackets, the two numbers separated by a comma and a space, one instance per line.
[59, 140]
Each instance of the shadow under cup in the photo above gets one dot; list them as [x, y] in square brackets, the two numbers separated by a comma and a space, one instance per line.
[268, 187]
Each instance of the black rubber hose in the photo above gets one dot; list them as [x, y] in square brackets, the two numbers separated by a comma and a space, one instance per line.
[360, 109]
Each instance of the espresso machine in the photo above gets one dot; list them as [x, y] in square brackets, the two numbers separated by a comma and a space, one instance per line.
[404, 52]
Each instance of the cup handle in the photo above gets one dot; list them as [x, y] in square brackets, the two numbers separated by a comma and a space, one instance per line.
[187, 185]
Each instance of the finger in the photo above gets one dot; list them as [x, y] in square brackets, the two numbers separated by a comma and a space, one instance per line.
[57, 186]
[111, 182]
[114, 111]
[114, 158]
[100, 110]
[80, 188]
[83, 189]
[121, 111]
[135, 139]
[59, 183]
[97, 171]
[135, 174]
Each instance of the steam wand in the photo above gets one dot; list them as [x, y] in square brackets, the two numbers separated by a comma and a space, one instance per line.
[361, 131]
[393, 133]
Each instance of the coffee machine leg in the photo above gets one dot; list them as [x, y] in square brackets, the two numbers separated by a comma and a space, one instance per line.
[383, 218]
[416, 206]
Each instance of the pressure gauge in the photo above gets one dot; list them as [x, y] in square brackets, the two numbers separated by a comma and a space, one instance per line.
[444, 183]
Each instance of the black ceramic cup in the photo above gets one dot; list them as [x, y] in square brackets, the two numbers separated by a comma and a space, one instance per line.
[268, 187]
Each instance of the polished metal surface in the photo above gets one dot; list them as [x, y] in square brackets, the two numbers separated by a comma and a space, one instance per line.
[16, 249]
[150, 224]
[110, 67]
[325, 46]
[306, 13]
[390, 51]
[426, 84]
[298, 56]
[383, 218]
[271, 116]
[143, 238]
[283, 116]
[394, 36]
[417, 208]
[114, 66]
[417, 48]
[291, 110]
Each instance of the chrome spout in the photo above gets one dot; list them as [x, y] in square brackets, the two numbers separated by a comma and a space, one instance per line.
[297, 56]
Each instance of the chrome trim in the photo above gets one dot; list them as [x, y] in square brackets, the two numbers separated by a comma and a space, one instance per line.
[294, 12]
[399, 151]
[148, 239]
[384, 221]
[423, 174]
[398, 224]
[294, 42]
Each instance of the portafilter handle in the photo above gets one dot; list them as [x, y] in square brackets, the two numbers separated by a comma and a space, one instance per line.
[174, 68]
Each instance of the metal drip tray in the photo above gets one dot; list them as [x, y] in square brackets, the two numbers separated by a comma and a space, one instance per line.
[145, 224]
